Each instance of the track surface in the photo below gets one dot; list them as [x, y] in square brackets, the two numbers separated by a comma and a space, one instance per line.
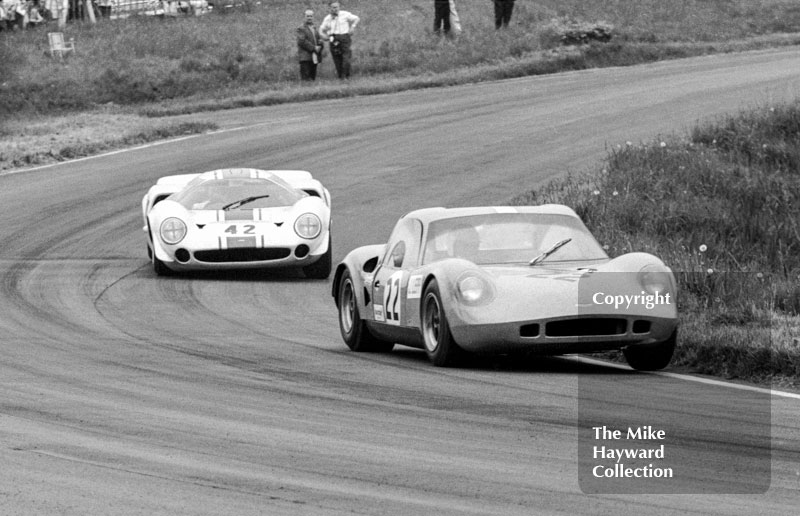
[121, 393]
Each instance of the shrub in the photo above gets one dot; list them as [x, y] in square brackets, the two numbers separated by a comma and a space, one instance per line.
[565, 31]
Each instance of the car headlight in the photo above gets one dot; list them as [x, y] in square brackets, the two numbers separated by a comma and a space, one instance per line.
[474, 289]
[172, 230]
[308, 226]
[656, 279]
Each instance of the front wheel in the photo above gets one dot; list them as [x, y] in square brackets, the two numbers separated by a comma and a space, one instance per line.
[439, 344]
[321, 269]
[158, 266]
[651, 357]
[354, 330]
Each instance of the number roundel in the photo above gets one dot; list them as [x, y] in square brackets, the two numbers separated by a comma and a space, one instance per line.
[391, 298]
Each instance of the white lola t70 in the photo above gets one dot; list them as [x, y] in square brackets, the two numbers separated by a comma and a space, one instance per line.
[239, 218]
[504, 280]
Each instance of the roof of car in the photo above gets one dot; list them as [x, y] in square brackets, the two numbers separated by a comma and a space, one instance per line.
[427, 215]
[289, 176]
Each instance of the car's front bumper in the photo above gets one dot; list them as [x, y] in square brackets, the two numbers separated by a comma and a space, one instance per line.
[244, 253]
[576, 334]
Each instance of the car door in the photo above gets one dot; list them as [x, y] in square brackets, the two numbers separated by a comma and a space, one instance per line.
[390, 285]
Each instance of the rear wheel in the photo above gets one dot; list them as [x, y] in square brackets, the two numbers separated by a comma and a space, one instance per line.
[439, 344]
[354, 330]
[320, 269]
[651, 357]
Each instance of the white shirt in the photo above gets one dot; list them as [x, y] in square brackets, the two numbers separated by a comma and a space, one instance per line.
[344, 23]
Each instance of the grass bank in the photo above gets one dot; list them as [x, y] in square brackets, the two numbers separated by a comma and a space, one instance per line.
[250, 50]
[143, 67]
[721, 206]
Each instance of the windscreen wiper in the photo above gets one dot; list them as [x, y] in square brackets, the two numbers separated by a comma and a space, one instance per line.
[236, 204]
[553, 249]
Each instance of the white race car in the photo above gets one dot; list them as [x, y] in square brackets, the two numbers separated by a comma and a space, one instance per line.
[239, 218]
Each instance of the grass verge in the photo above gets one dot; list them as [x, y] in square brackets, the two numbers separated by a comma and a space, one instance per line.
[44, 140]
[721, 206]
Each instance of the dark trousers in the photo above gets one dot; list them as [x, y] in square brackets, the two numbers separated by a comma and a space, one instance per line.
[502, 12]
[308, 71]
[441, 17]
[341, 54]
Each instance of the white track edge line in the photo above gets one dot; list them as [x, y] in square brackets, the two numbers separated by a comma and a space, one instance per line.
[130, 149]
[697, 379]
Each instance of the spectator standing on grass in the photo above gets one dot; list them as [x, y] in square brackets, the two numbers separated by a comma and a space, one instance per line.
[455, 21]
[502, 12]
[338, 27]
[309, 47]
[441, 16]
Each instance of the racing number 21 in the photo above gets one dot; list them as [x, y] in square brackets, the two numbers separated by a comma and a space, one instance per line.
[391, 298]
[249, 229]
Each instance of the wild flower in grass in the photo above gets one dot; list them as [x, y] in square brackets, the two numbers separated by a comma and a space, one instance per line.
[596, 192]
[760, 276]
[663, 144]
[710, 271]
[615, 193]
[605, 247]
[628, 143]
[703, 248]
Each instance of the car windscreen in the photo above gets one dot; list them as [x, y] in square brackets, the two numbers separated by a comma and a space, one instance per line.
[214, 194]
[501, 238]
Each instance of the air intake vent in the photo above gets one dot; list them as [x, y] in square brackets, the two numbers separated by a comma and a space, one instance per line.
[641, 326]
[585, 327]
[529, 330]
[242, 254]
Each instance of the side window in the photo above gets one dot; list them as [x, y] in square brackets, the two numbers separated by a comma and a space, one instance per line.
[398, 254]
[404, 245]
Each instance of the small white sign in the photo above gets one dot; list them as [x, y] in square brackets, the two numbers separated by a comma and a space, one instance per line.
[378, 311]
[415, 286]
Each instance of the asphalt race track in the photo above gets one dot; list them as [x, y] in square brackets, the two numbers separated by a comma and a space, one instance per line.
[124, 393]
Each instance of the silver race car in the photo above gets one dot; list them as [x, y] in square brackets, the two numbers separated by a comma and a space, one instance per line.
[239, 218]
[504, 280]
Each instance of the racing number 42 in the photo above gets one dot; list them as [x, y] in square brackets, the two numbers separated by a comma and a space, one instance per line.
[248, 229]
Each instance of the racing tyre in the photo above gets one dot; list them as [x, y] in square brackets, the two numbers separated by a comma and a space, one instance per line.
[320, 269]
[653, 357]
[354, 331]
[439, 344]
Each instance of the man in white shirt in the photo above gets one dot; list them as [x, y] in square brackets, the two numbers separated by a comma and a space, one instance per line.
[338, 27]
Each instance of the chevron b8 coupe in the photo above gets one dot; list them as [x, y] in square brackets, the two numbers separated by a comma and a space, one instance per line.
[239, 218]
[504, 280]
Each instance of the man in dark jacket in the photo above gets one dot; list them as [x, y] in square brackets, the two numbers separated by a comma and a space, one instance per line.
[502, 12]
[441, 16]
[309, 47]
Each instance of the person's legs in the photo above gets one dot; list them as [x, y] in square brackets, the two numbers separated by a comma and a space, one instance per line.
[498, 13]
[509, 8]
[347, 54]
[345, 57]
[441, 20]
[305, 70]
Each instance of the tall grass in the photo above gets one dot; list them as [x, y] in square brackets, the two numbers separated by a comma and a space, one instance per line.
[721, 207]
[146, 59]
